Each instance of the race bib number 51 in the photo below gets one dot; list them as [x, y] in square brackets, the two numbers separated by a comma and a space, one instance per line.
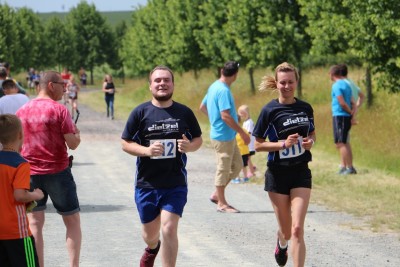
[169, 148]
[293, 151]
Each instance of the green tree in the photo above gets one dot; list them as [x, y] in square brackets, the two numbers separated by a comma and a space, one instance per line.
[242, 25]
[29, 34]
[115, 57]
[216, 44]
[183, 52]
[92, 36]
[282, 35]
[142, 47]
[367, 30]
[9, 44]
[59, 46]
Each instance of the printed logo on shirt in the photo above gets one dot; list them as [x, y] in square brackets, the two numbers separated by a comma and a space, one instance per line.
[168, 125]
[297, 120]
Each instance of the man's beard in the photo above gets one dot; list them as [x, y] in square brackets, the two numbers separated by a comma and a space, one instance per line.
[163, 98]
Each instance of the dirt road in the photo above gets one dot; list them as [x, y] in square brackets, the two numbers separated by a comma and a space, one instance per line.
[111, 227]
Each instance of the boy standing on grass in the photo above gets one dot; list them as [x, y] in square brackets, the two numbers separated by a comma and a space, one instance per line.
[17, 246]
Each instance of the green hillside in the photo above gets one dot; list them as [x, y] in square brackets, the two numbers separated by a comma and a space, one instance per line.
[113, 17]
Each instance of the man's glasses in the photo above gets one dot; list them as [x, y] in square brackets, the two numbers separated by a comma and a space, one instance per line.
[59, 82]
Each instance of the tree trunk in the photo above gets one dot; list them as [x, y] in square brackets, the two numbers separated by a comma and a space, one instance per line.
[91, 75]
[252, 87]
[123, 74]
[368, 85]
[299, 85]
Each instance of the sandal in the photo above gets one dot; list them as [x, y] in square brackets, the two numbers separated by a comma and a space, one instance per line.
[227, 209]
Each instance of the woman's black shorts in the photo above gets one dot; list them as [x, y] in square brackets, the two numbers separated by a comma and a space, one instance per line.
[281, 179]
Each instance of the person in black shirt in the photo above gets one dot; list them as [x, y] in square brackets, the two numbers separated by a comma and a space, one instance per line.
[288, 124]
[109, 92]
[160, 133]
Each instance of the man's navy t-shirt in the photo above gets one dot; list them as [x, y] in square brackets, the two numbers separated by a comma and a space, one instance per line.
[148, 122]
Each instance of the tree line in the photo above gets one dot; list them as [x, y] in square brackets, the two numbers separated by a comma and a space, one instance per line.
[190, 35]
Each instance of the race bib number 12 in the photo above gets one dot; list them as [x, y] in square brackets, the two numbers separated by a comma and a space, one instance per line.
[293, 151]
[169, 148]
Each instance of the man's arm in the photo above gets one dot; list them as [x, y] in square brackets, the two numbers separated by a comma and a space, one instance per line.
[227, 118]
[185, 145]
[203, 108]
[133, 148]
[73, 139]
[343, 104]
[361, 98]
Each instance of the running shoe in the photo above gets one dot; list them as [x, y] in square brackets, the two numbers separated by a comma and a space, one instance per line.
[342, 170]
[350, 170]
[246, 180]
[149, 256]
[281, 255]
[236, 181]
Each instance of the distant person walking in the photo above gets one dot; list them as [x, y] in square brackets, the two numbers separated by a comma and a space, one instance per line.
[109, 92]
[218, 104]
[288, 124]
[83, 77]
[65, 75]
[342, 111]
[72, 92]
[45, 147]
[160, 133]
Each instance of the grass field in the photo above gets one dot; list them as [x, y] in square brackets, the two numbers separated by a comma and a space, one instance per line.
[374, 193]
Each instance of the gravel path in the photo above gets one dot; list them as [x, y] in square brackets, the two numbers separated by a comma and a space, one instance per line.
[111, 227]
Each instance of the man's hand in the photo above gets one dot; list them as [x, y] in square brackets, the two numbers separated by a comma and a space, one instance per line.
[183, 144]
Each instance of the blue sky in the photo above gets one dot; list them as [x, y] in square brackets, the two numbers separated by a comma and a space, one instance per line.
[65, 5]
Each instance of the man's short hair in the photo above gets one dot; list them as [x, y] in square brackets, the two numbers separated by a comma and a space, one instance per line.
[230, 68]
[8, 84]
[343, 69]
[161, 67]
[10, 126]
[336, 70]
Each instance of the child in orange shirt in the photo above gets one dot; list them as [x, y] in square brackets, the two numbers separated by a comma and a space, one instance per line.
[17, 246]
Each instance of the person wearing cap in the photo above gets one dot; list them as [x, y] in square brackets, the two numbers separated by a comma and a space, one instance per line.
[219, 105]
[12, 101]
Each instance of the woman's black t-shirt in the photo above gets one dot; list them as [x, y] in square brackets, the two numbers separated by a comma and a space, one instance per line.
[277, 121]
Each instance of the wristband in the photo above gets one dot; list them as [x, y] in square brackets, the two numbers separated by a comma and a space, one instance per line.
[284, 145]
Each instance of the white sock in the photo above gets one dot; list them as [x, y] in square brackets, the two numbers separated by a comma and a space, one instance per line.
[283, 247]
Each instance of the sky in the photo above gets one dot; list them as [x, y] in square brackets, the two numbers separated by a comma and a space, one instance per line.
[45, 6]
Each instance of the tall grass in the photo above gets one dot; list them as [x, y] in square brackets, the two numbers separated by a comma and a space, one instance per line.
[374, 192]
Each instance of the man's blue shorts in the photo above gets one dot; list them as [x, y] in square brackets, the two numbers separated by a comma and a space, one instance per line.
[61, 188]
[150, 202]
